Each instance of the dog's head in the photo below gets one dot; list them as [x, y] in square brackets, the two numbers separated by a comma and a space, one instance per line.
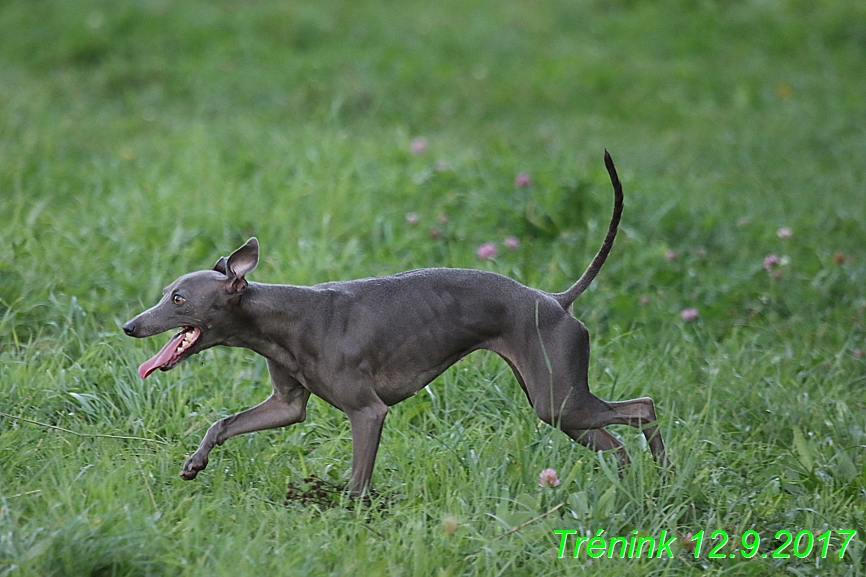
[203, 304]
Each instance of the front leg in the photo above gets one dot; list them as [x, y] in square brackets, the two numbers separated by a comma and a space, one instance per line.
[287, 405]
[366, 432]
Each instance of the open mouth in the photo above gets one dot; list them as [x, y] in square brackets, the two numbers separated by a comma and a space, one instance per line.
[172, 353]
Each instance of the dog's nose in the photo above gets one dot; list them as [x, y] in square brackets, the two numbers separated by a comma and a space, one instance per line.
[129, 328]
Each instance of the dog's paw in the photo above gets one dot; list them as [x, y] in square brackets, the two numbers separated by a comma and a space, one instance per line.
[188, 475]
[192, 468]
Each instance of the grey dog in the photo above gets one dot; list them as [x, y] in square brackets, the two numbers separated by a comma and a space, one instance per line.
[364, 345]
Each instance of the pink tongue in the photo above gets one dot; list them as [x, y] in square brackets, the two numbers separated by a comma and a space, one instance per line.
[162, 357]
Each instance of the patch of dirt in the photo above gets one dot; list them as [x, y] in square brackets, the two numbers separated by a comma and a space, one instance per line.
[324, 494]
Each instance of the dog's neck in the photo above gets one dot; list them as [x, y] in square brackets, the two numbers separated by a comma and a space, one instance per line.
[274, 321]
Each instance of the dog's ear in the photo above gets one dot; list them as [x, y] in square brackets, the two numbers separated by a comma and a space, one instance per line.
[241, 262]
[220, 265]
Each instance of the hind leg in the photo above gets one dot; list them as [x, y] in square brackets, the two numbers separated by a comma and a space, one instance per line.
[638, 413]
[555, 374]
[641, 414]
[583, 416]
[601, 440]
[588, 412]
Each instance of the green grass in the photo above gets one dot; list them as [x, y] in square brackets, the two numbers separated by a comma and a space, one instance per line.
[140, 140]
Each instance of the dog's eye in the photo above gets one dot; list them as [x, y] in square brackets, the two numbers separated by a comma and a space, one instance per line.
[177, 299]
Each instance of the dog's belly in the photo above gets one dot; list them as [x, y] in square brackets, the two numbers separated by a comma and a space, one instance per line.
[393, 386]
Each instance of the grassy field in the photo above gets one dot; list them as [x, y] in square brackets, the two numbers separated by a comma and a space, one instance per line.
[143, 139]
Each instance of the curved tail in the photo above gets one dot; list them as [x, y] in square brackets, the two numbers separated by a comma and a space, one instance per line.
[566, 298]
